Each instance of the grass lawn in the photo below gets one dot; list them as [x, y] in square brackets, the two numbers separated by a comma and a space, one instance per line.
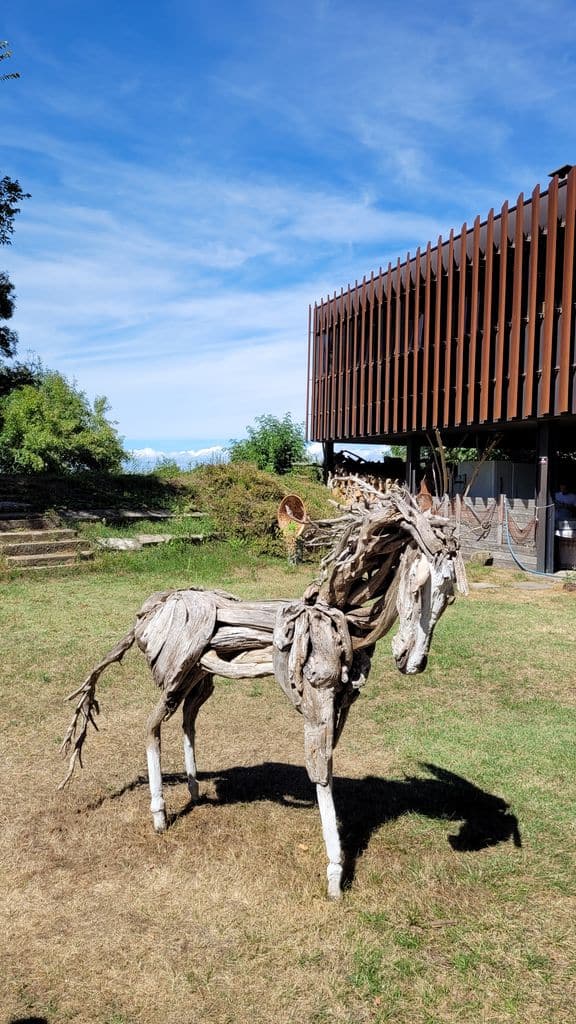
[456, 792]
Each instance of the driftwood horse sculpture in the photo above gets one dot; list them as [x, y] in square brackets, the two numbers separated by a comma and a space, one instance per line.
[389, 560]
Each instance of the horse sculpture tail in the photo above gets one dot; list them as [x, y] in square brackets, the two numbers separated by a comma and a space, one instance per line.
[88, 705]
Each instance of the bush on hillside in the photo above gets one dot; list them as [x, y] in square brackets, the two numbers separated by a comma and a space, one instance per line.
[273, 445]
[241, 501]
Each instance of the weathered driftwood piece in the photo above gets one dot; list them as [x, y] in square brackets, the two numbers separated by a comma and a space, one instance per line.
[388, 560]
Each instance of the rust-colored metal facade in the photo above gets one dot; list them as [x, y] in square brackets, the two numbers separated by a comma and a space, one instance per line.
[474, 332]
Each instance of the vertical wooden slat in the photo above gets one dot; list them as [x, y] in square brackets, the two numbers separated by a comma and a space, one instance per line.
[370, 361]
[327, 368]
[317, 341]
[426, 340]
[472, 383]
[437, 337]
[338, 402]
[461, 325]
[485, 387]
[348, 386]
[308, 425]
[550, 281]
[567, 287]
[406, 367]
[334, 383]
[334, 373]
[528, 405]
[514, 357]
[415, 342]
[361, 418]
[379, 351]
[397, 344]
[449, 312]
[501, 331]
[388, 351]
[354, 361]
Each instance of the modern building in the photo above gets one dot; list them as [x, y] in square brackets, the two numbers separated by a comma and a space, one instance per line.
[469, 336]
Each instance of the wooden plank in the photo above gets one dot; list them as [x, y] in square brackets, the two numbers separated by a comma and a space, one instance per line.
[426, 338]
[565, 361]
[549, 289]
[406, 366]
[437, 338]
[379, 350]
[308, 423]
[388, 352]
[472, 402]
[334, 383]
[370, 361]
[355, 361]
[449, 316]
[361, 412]
[397, 344]
[339, 365]
[328, 342]
[315, 386]
[501, 330]
[528, 405]
[348, 388]
[416, 341]
[514, 355]
[460, 341]
[485, 387]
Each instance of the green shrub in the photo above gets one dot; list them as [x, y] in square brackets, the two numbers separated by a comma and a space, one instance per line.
[273, 445]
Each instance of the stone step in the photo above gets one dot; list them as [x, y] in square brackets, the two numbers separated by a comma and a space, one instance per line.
[41, 547]
[46, 560]
[9, 523]
[42, 535]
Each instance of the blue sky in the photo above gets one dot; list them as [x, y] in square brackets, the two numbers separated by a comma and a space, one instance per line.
[201, 171]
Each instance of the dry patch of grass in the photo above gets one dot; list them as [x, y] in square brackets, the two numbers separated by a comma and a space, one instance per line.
[456, 794]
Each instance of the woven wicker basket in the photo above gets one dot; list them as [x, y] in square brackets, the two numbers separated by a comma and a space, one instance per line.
[291, 510]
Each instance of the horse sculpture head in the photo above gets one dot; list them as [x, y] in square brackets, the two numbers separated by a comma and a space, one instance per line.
[393, 560]
[426, 586]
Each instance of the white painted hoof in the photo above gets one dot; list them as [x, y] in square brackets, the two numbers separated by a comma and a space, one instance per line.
[159, 819]
[334, 874]
[193, 788]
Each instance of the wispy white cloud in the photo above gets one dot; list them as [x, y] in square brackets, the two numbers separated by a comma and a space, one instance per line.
[172, 246]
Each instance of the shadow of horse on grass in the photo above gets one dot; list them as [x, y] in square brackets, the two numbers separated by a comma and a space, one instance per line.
[364, 805]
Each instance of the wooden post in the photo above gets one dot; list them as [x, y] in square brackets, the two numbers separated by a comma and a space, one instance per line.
[328, 458]
[545, 511]
[412, 465]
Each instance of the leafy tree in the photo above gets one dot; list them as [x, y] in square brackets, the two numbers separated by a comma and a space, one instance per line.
[273, 444]
[16, 375]
[11, 195]
[50, 426]
[5, 54]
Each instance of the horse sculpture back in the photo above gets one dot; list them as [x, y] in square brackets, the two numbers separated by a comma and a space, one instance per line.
[389, 560]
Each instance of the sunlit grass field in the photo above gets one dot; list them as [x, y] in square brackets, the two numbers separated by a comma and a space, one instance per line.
[456, 793]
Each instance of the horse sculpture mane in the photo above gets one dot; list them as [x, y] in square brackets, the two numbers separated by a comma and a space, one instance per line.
[388, 560]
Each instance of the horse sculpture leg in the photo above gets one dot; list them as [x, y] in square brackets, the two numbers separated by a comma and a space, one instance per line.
[153, 746]
[331, 836]
[192, 704]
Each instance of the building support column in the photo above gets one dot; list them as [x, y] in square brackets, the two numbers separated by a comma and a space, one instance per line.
[544, 506]
[412, 465]
[327, 458]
